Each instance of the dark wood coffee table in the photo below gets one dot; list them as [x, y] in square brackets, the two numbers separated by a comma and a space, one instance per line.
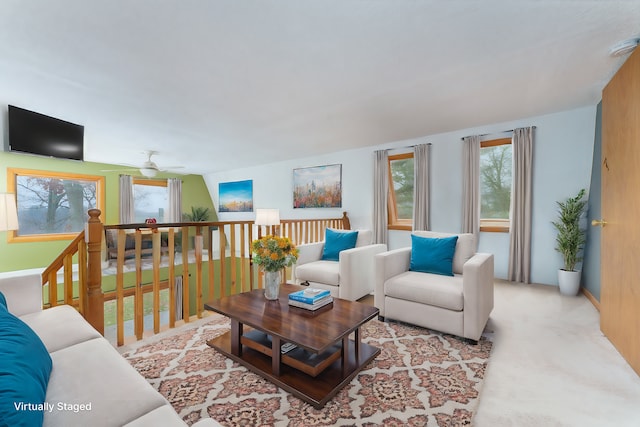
[325, 358]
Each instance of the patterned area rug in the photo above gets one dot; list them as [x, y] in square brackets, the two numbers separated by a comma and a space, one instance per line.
[421, 378]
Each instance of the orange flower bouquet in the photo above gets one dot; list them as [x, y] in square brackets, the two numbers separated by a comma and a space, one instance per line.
[274, 253]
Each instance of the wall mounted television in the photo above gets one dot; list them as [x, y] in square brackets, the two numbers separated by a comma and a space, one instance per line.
[35, 133]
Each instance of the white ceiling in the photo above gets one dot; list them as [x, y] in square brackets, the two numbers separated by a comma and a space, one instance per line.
[216, 85]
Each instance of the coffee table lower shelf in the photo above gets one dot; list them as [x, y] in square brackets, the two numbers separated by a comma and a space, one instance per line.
[316, 390]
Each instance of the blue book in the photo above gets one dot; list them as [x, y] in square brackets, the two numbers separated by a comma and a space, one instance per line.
[309, 296]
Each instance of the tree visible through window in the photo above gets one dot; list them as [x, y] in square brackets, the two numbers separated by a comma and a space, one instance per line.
[150, 199]
[400, 201]
[495, 184]
[53, 205]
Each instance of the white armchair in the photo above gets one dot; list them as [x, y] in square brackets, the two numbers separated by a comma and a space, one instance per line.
[351, 277]
[459, 304]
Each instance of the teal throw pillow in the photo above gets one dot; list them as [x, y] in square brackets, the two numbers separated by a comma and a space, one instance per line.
[336, 241]
[433, 255]
[25, 367]
[3, 301]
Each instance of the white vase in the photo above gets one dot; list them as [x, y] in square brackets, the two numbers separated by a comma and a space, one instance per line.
[569, 282]
[272, 280]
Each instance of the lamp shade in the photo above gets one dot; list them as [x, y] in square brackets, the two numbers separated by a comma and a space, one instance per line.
[8, 212]
[267, 217]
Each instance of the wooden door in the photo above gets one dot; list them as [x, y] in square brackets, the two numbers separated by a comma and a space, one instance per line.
[620, 262]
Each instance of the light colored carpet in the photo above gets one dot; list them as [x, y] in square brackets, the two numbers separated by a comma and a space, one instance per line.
[420, 378]
[552, 366]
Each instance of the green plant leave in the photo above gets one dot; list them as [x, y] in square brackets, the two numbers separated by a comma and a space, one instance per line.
[571, 237]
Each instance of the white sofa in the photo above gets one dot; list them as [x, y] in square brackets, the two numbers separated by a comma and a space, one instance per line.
[87, 369]
[459, 304]
[351, 277]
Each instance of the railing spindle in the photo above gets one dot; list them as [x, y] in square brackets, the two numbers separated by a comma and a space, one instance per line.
[155, 245]
[122, 239]
[243, 245]
[223, 257]
[198, 243]
[138, 298]
[68, 279]
[53, 288]
[232, 236]
[185, 274]
[171, 240]
[82, 277]
[210, 265]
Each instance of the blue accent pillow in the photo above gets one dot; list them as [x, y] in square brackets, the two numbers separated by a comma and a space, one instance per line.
[433, 255]
[25, 367]
[3, 301]
[336, 241]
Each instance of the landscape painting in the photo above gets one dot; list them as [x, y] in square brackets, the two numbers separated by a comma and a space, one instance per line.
[317, 187]
[236, 196]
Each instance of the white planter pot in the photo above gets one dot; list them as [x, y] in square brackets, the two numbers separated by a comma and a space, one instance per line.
[569, 282]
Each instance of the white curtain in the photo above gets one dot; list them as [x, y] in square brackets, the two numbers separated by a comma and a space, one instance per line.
[174, 186]
[380, 192]
[520, 245]
[471, 186]
[421, 154]
[126, 215]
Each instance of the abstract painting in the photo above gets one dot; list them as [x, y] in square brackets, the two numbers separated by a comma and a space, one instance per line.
[317, 187]
[236, 196]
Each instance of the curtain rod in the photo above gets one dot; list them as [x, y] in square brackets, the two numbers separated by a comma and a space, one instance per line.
[415, 145]
[493, 133]
[406, 146]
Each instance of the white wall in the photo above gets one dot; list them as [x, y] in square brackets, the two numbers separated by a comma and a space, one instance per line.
[563, 149]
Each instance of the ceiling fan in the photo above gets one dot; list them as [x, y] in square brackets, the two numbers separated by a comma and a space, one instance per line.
[149, 168]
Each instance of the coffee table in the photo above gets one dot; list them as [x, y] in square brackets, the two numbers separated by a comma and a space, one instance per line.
[324, 359]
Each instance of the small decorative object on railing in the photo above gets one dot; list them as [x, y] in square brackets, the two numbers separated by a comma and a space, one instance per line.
[150, 221]
[273, 254]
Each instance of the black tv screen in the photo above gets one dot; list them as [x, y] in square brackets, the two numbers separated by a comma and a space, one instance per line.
[35, 133]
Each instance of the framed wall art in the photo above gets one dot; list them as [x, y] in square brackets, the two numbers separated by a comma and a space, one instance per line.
[236, 196]
[317, 187]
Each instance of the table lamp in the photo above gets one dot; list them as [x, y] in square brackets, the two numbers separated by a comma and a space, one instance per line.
[268, 218]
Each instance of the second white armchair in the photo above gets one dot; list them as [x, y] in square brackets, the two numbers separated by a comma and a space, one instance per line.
[451, 293]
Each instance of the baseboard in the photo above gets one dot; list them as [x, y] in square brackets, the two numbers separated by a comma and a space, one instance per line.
[591, 298]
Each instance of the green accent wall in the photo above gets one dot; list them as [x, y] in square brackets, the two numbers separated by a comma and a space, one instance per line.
[28, 255]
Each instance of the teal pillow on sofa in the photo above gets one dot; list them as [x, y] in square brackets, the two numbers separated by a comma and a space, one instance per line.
[25, 367]
[433, 255]
[3, 301]
[337, 241]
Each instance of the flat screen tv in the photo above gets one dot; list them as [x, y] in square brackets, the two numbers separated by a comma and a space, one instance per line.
[35, 133]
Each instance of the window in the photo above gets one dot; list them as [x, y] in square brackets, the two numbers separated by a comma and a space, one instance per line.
[53, 205]
[495, 184]
[150, 199]
[400, 200]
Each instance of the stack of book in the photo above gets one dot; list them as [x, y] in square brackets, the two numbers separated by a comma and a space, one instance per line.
[310, 299]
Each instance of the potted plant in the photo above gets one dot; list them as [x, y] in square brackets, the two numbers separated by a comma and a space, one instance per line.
[273, 254]
[198, 214]
[570, 241]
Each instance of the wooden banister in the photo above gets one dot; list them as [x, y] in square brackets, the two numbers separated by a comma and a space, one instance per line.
[228, 266]
[72, 249]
